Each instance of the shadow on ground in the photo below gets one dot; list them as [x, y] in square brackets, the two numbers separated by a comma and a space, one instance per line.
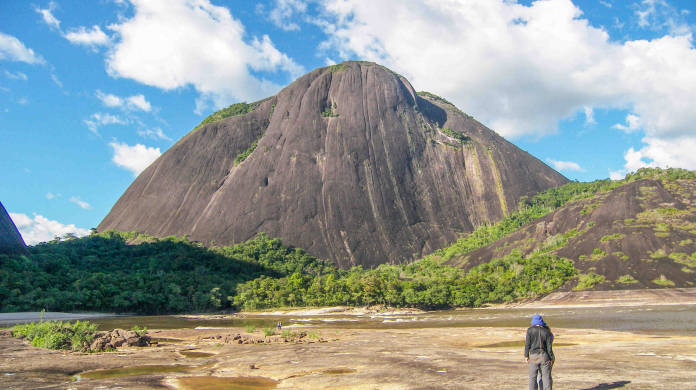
[607, 386]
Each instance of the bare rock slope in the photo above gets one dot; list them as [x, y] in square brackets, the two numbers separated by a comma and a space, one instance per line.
[347, 162]
[10, 239]
[639, 235]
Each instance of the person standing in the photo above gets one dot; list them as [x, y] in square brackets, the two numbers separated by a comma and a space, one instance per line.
[538, 352]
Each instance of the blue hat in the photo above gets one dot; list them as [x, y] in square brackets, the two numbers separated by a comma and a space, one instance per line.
[537, 320]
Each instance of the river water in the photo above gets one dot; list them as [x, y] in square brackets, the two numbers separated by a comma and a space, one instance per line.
[660, 319]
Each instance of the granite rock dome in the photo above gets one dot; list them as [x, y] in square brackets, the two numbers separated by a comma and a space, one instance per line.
[348, 162]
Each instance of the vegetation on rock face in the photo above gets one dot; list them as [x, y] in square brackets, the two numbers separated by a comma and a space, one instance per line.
[233, 110]
[242, 156]
[329, 111]
[463, 139]
[530, 209]
[589, 280]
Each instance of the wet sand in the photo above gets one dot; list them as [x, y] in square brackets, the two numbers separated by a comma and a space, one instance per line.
[431, 358]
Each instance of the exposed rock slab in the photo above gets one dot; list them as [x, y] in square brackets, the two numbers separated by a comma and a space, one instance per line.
[645, 230]
[10, 239]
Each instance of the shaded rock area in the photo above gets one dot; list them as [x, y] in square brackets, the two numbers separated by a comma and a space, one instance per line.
[348, 162]
[111, 340]
[11, 241]
[639, 235]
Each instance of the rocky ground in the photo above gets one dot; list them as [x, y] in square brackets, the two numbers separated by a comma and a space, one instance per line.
[662, 296]
[444, 358]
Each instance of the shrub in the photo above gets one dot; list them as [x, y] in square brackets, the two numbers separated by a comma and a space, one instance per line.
[250, 328]
[612, 237]
[140, 331]
[268, 331]
[683, 258]
[463, 139]
[243, 156]
[314, 335]
[58, 334]
[598, 254]
[663, 281]
[588, 280]
[627, 279]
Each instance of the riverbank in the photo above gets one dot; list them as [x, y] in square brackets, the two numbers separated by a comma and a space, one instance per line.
[432, 358]
[9, 319]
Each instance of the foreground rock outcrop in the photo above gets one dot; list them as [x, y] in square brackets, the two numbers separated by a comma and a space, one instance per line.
[117, 338]
[348, 162]
[10, 240]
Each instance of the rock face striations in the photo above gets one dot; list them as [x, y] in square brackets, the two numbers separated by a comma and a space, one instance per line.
[10, 239]
[348, 162]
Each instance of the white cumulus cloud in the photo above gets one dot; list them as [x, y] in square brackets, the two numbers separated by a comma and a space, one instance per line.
[99, 119]
[283, 11]
[109, 100]
[155, 133]
[88, 37]
[81, 203]
[134, 102]
[38, 228]
[47, 15]
[660, 15]
[177, 43]
[632, 124]
[565, 165]
[139, 102]
[13, 49]
[589, 116]
[664, 153]
[134, 158]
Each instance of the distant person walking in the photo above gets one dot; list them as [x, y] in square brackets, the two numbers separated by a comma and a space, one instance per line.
[538, 352]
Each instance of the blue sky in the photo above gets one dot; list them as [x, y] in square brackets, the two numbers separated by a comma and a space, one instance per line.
[92, 92]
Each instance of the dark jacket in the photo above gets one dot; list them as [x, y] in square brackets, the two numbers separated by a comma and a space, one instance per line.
[531, 343]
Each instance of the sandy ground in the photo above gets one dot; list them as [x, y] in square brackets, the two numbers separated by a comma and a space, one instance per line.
[444, 358]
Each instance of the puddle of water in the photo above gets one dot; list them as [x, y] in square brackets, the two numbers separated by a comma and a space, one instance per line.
[335, 371]
[506, 344]
[131, 371]
[226, 383]
[196, 354]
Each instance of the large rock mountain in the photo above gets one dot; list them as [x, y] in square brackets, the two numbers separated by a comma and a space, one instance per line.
[10, 239]
[347, 162]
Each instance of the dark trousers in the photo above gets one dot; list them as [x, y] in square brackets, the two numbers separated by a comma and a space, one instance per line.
[539, 363]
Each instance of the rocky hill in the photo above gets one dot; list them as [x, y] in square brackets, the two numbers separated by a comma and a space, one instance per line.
[639, 235]
[347, 162]
[10, 239]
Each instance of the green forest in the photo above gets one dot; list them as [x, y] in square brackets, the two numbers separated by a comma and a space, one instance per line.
[136, 273]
